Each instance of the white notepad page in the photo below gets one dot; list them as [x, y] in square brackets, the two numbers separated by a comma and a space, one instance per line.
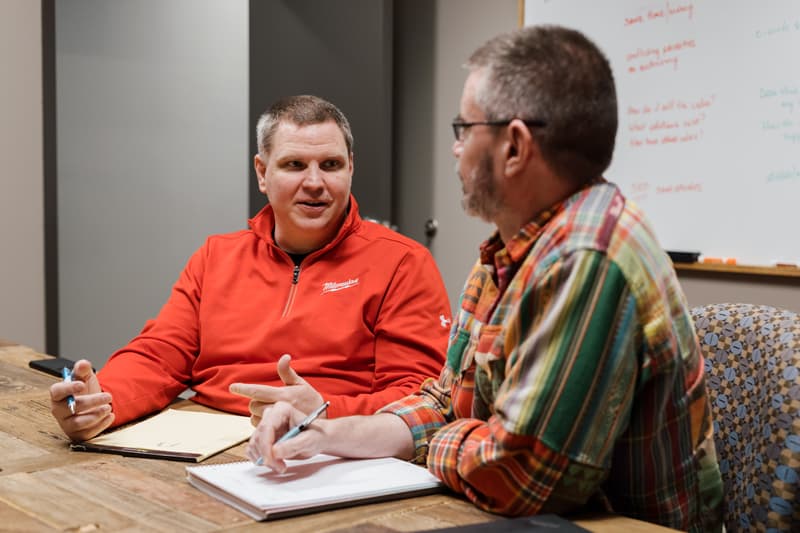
[319, 482]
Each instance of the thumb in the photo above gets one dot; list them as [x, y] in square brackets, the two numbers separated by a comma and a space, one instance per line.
[286, 373]
[82, 370]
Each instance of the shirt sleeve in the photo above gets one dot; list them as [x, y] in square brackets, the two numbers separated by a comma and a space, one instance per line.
[425, 412]
[152, 369]
[410, 336]
[570, 374]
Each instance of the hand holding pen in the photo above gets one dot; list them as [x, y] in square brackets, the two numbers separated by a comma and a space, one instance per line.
[295, 431]
[265, 433]
[78, 403]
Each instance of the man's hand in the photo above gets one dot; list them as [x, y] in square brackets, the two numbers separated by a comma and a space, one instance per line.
[279, 419]
[380, 435]
[296, 392]
[92, 406]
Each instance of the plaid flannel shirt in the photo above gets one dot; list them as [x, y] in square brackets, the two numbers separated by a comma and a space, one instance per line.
[573, 376]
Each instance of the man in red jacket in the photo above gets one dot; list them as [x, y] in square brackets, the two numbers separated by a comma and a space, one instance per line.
[361, 309]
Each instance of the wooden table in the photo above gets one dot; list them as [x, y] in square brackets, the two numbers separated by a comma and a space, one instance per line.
[44, 486]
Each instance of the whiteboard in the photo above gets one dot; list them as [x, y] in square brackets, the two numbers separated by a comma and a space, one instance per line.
[709, 117]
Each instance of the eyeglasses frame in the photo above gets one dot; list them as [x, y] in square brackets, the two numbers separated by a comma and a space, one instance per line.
[459, 126]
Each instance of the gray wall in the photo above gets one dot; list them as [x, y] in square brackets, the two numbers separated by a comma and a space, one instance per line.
[340, 50]
[21, 175]
[153, 155]
[414, 127]
[436, 40]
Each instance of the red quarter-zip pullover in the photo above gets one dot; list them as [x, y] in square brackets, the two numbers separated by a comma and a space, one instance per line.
[365, 318]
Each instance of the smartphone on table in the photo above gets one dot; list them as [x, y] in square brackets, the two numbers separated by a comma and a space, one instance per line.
[51, 365]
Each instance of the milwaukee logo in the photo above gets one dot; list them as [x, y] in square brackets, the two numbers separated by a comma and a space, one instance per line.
[333, 286]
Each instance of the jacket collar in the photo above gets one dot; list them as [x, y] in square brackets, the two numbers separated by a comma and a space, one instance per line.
[263, 225]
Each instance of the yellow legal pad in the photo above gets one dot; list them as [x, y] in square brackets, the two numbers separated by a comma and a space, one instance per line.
[173, 434]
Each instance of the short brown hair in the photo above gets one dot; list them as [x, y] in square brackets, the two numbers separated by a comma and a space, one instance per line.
[556, 75]
[301, 110]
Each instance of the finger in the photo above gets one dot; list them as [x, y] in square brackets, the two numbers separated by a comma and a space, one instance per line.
[294, 448]
[257, 408]
[303, 446]
[88, 402]
[86, 419]
[277, 421]
[262, 393]
[258, 411]
[59, 391]
[88, 424]
[83, 402]
[251, 451]
[82, 370]
[259, 449]
[286, 373]
[101, 424]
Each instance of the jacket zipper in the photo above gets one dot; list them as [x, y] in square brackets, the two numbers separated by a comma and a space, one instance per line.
[292, 291]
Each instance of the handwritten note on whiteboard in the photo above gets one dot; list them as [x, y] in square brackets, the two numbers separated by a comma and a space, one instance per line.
[709, 117]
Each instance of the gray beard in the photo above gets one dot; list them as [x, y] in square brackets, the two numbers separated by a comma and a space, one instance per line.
[483, 201]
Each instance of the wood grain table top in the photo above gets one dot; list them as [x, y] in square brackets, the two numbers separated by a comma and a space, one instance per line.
[46, 487]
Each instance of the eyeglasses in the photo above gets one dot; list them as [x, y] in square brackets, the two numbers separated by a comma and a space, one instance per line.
[459, 126]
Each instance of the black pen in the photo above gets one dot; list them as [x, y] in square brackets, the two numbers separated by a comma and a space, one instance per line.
[295, 431]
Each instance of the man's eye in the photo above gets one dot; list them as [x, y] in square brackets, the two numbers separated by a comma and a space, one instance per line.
[332, 164]
[293, 165]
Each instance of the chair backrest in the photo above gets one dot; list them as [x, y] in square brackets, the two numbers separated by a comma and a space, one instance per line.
[752, 361]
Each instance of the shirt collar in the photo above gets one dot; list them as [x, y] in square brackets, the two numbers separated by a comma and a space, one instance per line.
[501, 255]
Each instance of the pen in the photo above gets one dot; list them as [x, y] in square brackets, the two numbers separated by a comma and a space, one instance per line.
[295, 431]
[68, 379]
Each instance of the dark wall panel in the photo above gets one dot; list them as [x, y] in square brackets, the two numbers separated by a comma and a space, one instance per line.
[340, 50]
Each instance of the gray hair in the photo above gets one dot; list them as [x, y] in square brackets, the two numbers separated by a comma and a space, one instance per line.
[556, 75]
[301, 110]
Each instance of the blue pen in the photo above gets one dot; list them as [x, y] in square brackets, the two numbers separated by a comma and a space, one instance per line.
[68, 379]
[295, 431]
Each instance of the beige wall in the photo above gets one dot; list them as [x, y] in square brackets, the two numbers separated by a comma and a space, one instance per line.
[21, 174]
[703, 289]
[461, 26]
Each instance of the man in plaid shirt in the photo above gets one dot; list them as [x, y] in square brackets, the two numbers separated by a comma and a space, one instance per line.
[573, 379]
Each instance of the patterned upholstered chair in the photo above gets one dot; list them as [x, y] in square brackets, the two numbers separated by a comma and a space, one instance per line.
[752, 358]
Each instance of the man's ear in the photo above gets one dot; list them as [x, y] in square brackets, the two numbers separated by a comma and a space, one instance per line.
[261, 170]
[519, 148]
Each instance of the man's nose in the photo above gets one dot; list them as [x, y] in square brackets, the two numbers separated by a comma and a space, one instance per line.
[458, 147]
[313, 176]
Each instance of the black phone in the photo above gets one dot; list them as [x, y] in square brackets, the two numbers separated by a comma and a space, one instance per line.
[52, 365]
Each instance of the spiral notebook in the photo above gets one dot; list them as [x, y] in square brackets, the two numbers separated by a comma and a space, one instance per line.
[311, 485]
